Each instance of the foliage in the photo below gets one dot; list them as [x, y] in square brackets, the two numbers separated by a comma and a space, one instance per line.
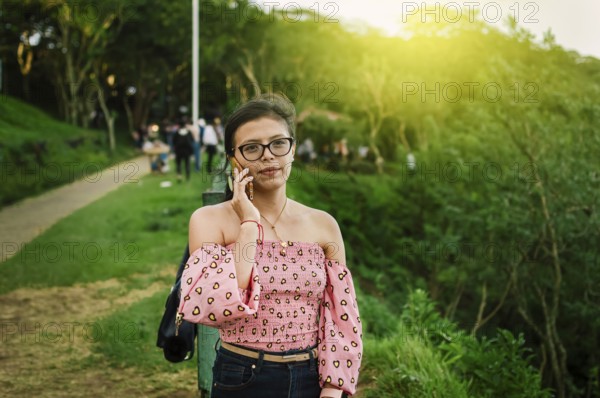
[39, 153]
[472, 241]
[497, 366]
[428, 356]
[498, 220]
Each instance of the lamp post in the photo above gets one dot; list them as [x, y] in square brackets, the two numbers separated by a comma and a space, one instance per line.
[195, 61]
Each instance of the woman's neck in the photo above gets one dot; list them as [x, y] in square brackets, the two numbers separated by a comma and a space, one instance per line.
[270, 204]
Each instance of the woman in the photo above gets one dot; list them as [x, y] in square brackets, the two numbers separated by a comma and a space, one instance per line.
[270, 273]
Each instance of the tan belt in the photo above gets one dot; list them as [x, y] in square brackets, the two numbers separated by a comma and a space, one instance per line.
[304, 356]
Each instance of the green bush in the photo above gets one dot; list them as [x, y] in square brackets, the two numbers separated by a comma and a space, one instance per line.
[429, 356]
[496, 367]
[405, 366]
[38, 153]
[376, 316]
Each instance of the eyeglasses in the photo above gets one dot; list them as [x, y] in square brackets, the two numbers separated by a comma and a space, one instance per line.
[278, 147]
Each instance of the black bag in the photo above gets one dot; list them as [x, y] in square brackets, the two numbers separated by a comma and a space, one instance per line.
[181, 347]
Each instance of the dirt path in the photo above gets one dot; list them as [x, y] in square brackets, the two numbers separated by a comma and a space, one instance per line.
[27, 219]
[37, 361]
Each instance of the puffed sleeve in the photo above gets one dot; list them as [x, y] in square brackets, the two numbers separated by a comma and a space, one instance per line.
[340, 330]
[209, 288]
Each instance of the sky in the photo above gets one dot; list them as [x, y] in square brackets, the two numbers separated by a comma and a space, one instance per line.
[575, 23]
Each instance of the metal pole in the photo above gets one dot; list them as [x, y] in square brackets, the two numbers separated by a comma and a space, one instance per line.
[195, 61]
[206, 337]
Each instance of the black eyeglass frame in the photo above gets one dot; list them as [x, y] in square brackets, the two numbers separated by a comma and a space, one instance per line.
[265, 146]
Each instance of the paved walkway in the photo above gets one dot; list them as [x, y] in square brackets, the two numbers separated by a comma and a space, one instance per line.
[23, 221]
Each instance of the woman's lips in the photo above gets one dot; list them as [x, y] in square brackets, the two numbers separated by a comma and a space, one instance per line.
[269, 171]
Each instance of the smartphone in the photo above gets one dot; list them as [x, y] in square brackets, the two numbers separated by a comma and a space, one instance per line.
[249, 186]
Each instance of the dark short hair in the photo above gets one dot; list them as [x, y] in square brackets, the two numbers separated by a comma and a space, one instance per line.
[274, 106]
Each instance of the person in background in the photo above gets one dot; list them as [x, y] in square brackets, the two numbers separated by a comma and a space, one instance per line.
[183, 143]
[220, 134]
[138, 140]
[210, 141]
[158, 153]
[306, 151]
[219, 129]
[168, 130]
[198, 133]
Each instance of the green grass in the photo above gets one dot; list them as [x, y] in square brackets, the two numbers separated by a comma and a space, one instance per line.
[138, 228]
[406, 366]
[130, 340]
[22, 122]
[37, 152]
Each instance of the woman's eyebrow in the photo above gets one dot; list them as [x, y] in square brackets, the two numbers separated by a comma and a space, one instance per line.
[270, 139]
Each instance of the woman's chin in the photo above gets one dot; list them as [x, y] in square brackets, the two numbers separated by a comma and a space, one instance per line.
[269, 182]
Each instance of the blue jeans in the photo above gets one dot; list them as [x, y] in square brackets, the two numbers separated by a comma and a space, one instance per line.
[236, 375]
[197, 163]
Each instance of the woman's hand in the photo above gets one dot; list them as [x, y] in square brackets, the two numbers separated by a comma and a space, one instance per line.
[240, 201]
[329, 392]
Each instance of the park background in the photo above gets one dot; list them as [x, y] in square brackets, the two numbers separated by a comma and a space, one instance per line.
[476, 262]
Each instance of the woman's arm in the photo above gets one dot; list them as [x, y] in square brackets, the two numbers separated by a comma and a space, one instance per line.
[333, 246]
[333, 242]
[207, 222]
[204, 229]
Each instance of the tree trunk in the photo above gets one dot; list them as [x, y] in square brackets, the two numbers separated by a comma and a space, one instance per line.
[451, 308]
[248, 69]
[110, 120]
[548, 331]
[108, 115]
[481, 320]
[402, 134]
[26, 87]
[25, 58]
[141, 107]
[129, 113]
[375, 127]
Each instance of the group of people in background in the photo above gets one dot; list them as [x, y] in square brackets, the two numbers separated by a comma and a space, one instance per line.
[181, 140]
[339, 152]
[184, 140]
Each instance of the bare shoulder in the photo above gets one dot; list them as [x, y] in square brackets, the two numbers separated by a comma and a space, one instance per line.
[207, 224]
[208, 212]
[325, 227]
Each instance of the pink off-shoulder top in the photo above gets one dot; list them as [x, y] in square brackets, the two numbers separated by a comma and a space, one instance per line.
[297, 298]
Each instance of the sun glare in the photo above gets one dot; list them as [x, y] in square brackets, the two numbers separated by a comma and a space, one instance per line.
[385, 15]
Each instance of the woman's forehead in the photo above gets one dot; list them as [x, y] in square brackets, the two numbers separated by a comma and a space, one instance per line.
[260, 129]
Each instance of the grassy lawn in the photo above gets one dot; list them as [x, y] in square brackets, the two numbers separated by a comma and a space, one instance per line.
[104, 273]
[108, 267]
[123, 250]
[138, 228]
[38, 152]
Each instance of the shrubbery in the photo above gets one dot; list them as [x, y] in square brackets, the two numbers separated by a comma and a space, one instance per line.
[38, 153]
[428, 356]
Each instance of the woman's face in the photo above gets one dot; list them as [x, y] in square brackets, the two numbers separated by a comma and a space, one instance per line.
[269, 171]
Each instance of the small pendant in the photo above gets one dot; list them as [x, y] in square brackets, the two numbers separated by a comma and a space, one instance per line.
[284, 244]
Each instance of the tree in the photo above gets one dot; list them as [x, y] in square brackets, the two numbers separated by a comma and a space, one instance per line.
[83, 31]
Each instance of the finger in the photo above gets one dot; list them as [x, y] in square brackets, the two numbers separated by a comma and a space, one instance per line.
[241, 185]
[243, 173]
[245, 181]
